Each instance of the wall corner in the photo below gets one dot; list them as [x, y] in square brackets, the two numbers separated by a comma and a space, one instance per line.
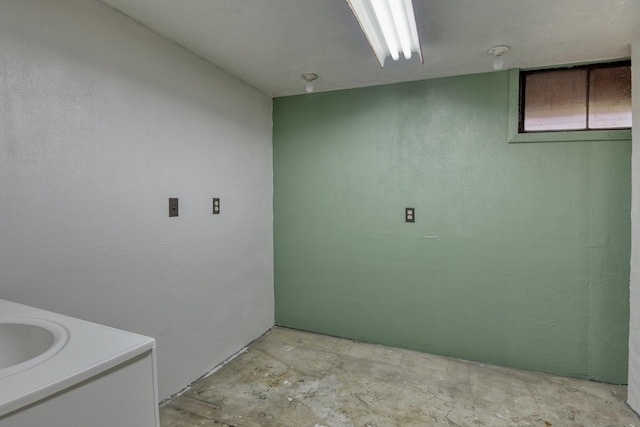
[633, 396]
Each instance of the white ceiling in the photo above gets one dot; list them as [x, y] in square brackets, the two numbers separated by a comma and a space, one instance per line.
[270, 43]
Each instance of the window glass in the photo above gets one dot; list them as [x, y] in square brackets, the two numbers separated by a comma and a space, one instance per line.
[610, 98]
[586, 97]
[555, 100]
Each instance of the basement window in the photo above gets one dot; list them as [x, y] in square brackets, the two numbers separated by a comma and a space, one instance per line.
[588, 102]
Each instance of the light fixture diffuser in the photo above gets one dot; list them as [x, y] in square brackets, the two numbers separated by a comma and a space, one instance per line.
[497, 52]
[390, 26]
[309, 78]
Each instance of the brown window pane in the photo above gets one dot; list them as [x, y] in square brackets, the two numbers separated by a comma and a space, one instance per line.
[556, 100]
[610, 98]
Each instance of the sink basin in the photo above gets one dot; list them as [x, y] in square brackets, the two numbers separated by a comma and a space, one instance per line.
[27, 342]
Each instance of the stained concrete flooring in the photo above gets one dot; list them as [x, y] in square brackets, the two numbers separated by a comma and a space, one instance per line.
[293, 378]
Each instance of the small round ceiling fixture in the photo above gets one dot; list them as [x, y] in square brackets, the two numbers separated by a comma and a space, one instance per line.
[497, 52]
[309, 78]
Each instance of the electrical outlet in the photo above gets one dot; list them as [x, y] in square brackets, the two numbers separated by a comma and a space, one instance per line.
[173, 206]
[216, 205]
[409, 215]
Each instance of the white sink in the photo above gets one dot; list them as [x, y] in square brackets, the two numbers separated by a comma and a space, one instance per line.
[58, 371]
[26, 342]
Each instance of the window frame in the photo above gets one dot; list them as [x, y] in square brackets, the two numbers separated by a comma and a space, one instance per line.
[515, 105]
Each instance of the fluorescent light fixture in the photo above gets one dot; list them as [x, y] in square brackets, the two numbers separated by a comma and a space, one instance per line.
[390, 27]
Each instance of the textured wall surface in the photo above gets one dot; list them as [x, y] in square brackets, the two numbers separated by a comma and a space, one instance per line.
[634, 323]
[101, 121]
[519, 255]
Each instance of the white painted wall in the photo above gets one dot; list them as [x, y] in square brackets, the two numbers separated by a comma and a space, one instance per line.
[101, 121]
[634, 326]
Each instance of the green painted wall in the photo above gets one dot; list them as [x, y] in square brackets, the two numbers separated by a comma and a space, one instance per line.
[519, 255]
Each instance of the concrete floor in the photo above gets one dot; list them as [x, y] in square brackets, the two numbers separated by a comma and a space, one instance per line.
[293, 378]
